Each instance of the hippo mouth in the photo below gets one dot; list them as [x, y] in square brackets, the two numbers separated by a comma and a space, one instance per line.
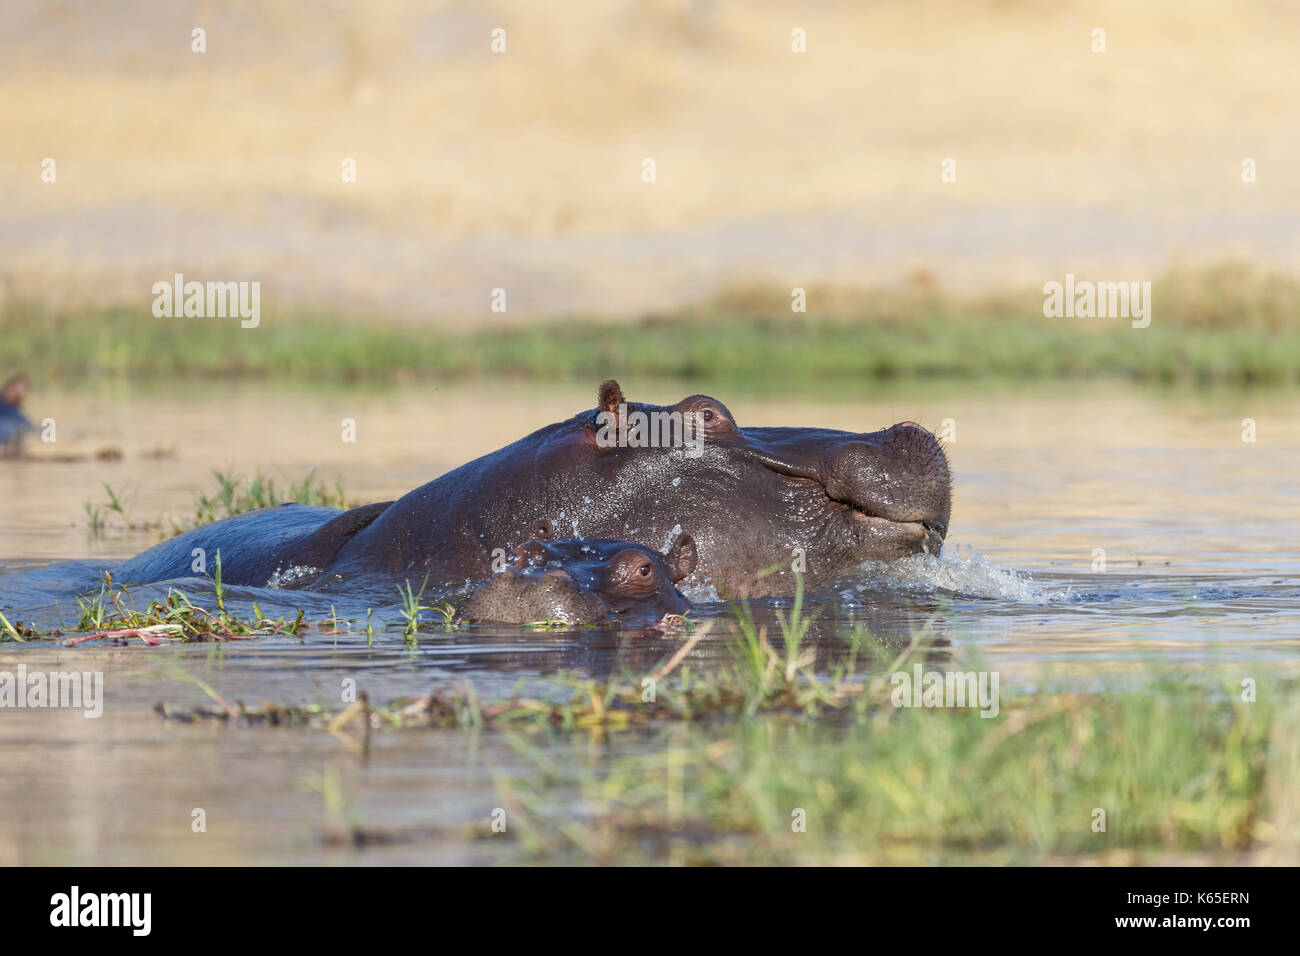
[911, 535]
[928, 537]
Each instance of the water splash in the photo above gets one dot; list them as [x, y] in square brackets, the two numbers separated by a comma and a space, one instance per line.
[289, 576]
[670, 538]
[701, 594]
[960, 571]
[964, 572]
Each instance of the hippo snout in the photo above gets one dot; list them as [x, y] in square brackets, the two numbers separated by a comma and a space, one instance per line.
[899, 475]
[521, 597]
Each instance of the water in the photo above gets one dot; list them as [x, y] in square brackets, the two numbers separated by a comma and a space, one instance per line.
[1197, 528]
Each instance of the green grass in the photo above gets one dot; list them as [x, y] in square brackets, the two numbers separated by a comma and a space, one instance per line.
[97, 515]
[237, 493]
[111, 613]
[1180, 769]
[1175, 771]
[233, 494]
[410, 608]
[720, 766]
[1228, 324]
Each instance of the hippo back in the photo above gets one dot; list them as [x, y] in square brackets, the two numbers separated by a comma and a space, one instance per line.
[253, 547]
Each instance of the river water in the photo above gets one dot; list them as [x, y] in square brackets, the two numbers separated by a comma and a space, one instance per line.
[1196, 528]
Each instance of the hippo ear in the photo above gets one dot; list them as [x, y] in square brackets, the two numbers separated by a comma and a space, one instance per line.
[610, 396]
[681, 557]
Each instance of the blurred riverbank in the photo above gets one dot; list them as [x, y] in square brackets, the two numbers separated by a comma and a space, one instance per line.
[1229, 325]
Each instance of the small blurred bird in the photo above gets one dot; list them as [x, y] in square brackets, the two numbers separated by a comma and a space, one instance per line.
[13, 423]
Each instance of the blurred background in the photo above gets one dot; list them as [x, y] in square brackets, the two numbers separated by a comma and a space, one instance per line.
[523, 170]
[1101, 139]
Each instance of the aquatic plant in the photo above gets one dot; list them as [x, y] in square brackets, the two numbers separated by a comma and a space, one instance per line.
[236, 494]
[770, 760]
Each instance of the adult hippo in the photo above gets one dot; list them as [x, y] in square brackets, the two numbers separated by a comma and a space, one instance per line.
[585, 581]
[753, 499]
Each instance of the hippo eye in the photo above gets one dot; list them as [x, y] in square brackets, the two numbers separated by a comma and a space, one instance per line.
[707, 414]
[631, 571]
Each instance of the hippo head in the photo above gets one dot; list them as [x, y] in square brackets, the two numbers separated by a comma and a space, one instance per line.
[585, 581]
[761, 503]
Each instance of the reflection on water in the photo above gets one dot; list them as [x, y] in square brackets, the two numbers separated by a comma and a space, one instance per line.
[1196, 529]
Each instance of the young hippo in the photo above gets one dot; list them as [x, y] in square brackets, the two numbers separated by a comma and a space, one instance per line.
[586, 581]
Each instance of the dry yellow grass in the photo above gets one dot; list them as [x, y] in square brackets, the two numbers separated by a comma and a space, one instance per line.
[774, 165]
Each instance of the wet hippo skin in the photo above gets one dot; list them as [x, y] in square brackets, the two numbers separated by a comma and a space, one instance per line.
[754, 500]
[585, 581]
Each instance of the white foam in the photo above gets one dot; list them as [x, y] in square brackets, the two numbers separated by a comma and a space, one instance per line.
[670, 538]
[701, 594]
[964, 572]
[960, 571]
[283, 578]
